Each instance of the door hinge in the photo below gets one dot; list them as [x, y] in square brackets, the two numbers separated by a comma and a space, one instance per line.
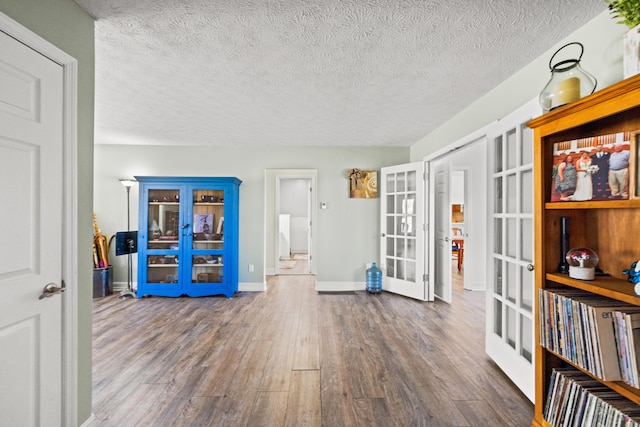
[425, 277]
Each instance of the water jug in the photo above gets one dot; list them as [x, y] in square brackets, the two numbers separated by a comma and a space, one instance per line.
[374, 279]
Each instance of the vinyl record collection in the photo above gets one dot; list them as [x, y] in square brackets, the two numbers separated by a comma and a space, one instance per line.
[597, 334]
[575, 399]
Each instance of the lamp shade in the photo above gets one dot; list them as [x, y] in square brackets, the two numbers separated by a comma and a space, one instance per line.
[128, 182]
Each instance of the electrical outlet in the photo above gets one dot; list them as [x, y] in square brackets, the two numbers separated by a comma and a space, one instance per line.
[250, 268]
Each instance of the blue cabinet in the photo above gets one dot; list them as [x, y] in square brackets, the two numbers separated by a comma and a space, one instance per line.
[188, 236]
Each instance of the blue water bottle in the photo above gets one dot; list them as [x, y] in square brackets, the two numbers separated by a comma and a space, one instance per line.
[374, 279]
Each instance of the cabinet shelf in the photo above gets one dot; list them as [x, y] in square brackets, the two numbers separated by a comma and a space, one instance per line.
[606, 286]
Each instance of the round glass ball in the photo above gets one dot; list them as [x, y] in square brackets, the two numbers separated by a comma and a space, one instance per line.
[582, 263]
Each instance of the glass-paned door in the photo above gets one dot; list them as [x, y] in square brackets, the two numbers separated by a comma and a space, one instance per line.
[402, 241]
[510, 292]
[163, 243]
[207, 245]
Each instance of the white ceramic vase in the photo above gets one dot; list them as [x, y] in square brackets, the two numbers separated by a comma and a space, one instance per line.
[631, 56]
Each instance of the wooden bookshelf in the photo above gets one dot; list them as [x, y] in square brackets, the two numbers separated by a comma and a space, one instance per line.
[609, 227]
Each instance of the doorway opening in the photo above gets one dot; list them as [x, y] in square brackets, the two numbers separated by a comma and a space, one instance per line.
[284, 195]
[458, 231]
[294, 225]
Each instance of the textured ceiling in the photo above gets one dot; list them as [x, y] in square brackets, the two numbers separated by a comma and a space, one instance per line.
[308, 72]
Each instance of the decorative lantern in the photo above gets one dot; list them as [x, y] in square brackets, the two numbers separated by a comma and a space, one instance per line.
[582, 263]
[568, 83]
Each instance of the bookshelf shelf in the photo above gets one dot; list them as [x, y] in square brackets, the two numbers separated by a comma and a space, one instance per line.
[606, 286]
[609, 227]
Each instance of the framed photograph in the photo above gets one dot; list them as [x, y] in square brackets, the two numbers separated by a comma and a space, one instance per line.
[634, 190]
[594, 168]
[203, 223]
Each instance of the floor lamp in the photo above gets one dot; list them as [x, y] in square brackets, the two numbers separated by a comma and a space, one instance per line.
[128, 183]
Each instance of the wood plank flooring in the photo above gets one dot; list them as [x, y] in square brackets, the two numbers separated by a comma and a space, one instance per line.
[293, 357]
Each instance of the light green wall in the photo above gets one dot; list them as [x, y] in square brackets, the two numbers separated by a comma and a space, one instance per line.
[602, 41]
[347, 230]
[64, 24]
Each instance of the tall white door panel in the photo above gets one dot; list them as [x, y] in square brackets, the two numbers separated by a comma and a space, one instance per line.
[403, 231]
[510, 292]
[31, 185]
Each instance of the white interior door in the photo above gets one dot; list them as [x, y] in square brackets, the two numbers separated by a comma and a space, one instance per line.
[510, 292]
[442, 227]
[31, 183]
[403, 231]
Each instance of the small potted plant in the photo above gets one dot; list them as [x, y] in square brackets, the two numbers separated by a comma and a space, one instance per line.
[627, 12]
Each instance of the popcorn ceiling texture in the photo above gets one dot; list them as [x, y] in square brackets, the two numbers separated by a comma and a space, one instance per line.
[308, 72]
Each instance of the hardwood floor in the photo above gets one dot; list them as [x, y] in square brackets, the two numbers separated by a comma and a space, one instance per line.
[293, 357]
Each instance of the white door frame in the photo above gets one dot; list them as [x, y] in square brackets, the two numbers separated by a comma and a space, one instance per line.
[440, 155]
[69, 203]
[311, 177]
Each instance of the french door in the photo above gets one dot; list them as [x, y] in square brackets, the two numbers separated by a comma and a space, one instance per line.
[403, 231]
[510, 292]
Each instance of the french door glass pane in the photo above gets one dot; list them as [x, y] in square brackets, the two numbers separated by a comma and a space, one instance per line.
[526, 338]
[391, 184]
[526, 204]
[400, 265]
[497, 285]
[497, 236]
[390, 205]
[497, 190]
[400, 247]
[390, 223]
[526, 240]
[411, 248]
[511, 282]
[498, 154]
[511, 237]
[526, 280]
[400, 183]
[511, 326]
[411, 181]
[411, 271]
[511, 149]
[511, 193]
[497, 317]
[391, 269]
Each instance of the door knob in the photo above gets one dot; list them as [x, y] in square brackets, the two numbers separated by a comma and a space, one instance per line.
[50, 290]
[530, 267]
[446, 239]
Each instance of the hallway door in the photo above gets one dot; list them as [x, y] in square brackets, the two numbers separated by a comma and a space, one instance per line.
[31, 219]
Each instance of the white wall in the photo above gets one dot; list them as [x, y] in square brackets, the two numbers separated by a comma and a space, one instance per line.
[347, 231]
[602, 40]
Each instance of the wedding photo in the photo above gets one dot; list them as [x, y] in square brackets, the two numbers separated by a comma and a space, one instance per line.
[592, 168]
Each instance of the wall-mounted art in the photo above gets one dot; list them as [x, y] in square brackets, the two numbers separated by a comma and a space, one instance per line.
[363, 184]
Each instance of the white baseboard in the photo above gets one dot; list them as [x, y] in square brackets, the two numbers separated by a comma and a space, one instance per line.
[121, 286]
[89, 421]
[252, 287]
[340, 286]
